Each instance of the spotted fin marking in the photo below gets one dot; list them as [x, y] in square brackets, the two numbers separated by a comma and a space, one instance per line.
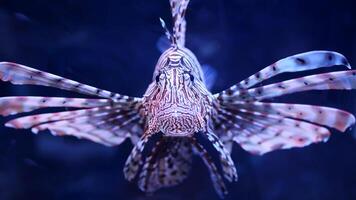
[342, 80]
[168, 165]
[260, 133]
[33, 120]
[228, 166]
[215, 175]
[300, 62]
[107, 125]
[148, 178]
[134, 161]
[19, 104]
[178, 9]
[20, 74]
[176, 165]
[326, 116]
[118, 118]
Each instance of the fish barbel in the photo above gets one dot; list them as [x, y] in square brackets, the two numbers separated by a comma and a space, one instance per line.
[177, 106]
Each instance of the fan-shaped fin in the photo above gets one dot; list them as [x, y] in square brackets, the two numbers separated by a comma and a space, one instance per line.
[215, 176]
[260, 133]
[134, 161]
[168, 164]
[300, 62]
[20, 74]
[228, 166]
[331, 117]
[343, 80]
[19, 104]
[108, 125]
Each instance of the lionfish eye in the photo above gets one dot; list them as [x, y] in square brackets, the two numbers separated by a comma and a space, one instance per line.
[191, 77]
[157, 78]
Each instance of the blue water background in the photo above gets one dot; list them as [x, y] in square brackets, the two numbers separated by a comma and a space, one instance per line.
[112, 44]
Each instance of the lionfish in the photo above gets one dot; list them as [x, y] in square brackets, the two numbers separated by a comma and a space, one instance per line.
[177, 106]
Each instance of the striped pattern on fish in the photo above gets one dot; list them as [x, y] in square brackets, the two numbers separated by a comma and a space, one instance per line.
[177, 106]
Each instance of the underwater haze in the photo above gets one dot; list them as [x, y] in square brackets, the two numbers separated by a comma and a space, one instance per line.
[115, 44]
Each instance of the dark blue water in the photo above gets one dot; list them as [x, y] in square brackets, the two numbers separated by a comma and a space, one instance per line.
[113, 45]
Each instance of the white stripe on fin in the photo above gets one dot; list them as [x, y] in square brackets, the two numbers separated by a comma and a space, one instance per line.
[300, 62]
[20, 74]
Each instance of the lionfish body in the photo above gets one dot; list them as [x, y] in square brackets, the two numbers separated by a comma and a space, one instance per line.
[178, 105]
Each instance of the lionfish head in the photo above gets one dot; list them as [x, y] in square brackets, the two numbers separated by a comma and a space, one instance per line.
[177, 101]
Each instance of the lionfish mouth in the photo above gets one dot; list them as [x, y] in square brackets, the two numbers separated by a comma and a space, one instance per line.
[178, 134]
[179, 121]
